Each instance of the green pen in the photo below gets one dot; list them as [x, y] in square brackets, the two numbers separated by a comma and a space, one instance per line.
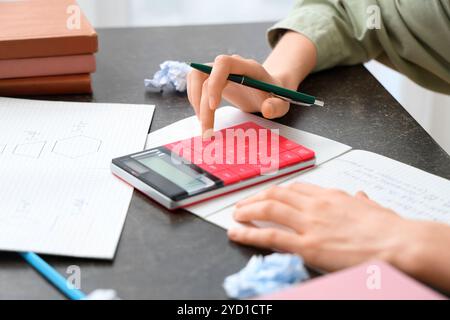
[290, 96]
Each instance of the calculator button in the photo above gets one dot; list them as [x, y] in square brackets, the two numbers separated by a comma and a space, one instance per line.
[174, 148]
[268, 165]
[211, 168]
[284, 159]
[247, 125]
[187, 143]
[288, 158]
[211, 153]
[213, 156]
[267, 151]
[198, 144]
[173, 145]
[229, 156]
[304, 153]
[239, 158]
[244, 159]
[286, 144]
[196, 158]
[245, 172]
[186, 154]
[227, 176]
[268, 144]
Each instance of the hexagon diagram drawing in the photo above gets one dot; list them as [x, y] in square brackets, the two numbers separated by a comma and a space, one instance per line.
[30, 149]
[77, 147]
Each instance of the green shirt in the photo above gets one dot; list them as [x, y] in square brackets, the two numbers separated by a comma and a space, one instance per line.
[413, 36]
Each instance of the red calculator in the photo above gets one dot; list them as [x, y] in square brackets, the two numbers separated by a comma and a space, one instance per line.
[185, 172]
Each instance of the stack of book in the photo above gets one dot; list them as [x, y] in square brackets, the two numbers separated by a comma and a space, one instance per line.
[46, 47]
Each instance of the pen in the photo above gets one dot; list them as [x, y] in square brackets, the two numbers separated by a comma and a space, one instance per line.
[291, 96]
[52, 275]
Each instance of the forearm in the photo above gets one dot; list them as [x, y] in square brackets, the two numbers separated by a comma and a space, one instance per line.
[425, 254]
[411, 34]
[292, 59]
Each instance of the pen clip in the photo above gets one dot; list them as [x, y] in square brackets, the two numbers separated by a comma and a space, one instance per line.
[298, 103]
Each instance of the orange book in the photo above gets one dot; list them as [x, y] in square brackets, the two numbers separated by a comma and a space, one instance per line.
[44, 28]
[54, 85]
[47, 66]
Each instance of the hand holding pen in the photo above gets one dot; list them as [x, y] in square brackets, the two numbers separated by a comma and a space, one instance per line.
[280, 71]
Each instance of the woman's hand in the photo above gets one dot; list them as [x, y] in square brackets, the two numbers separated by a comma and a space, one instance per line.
[206, 91]
[332, 229]
[293, 58]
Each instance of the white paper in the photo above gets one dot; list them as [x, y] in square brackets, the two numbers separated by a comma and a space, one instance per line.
[324, 148]
[224, 218]
[58, 195]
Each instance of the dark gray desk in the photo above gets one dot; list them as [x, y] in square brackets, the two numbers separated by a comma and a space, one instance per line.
[176, 255]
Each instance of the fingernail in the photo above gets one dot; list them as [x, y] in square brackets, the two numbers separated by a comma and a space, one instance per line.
[270, 110]
[232, 233]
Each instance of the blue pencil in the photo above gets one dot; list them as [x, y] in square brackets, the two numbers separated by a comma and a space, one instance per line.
[52, 275]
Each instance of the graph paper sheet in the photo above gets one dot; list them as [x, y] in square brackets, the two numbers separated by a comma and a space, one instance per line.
[57, 193]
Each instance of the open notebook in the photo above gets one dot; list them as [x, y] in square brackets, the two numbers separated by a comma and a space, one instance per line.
[389, 182]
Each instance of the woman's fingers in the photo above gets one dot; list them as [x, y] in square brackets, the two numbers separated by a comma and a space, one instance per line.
[267, 238]
[205, 91]
[206, 114]
[224, 66]
[271, 211]
[195, 88]
[361, 195]
[218, 79]
[272, 108]
[189, 90]
[308, 189]
[281, 194]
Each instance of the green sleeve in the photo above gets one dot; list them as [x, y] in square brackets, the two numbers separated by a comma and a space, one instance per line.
[412, 34]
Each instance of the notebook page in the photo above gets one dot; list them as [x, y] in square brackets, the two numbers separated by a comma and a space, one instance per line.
[58, 195]
[410, 192]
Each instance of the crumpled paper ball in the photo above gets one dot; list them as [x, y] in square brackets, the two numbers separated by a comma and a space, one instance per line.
[264, 275]
[173, 75]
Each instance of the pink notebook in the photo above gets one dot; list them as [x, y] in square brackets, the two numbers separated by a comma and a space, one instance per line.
[370, 281]
[50, 66]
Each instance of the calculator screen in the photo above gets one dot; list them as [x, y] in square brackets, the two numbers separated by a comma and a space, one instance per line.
[187, 178]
